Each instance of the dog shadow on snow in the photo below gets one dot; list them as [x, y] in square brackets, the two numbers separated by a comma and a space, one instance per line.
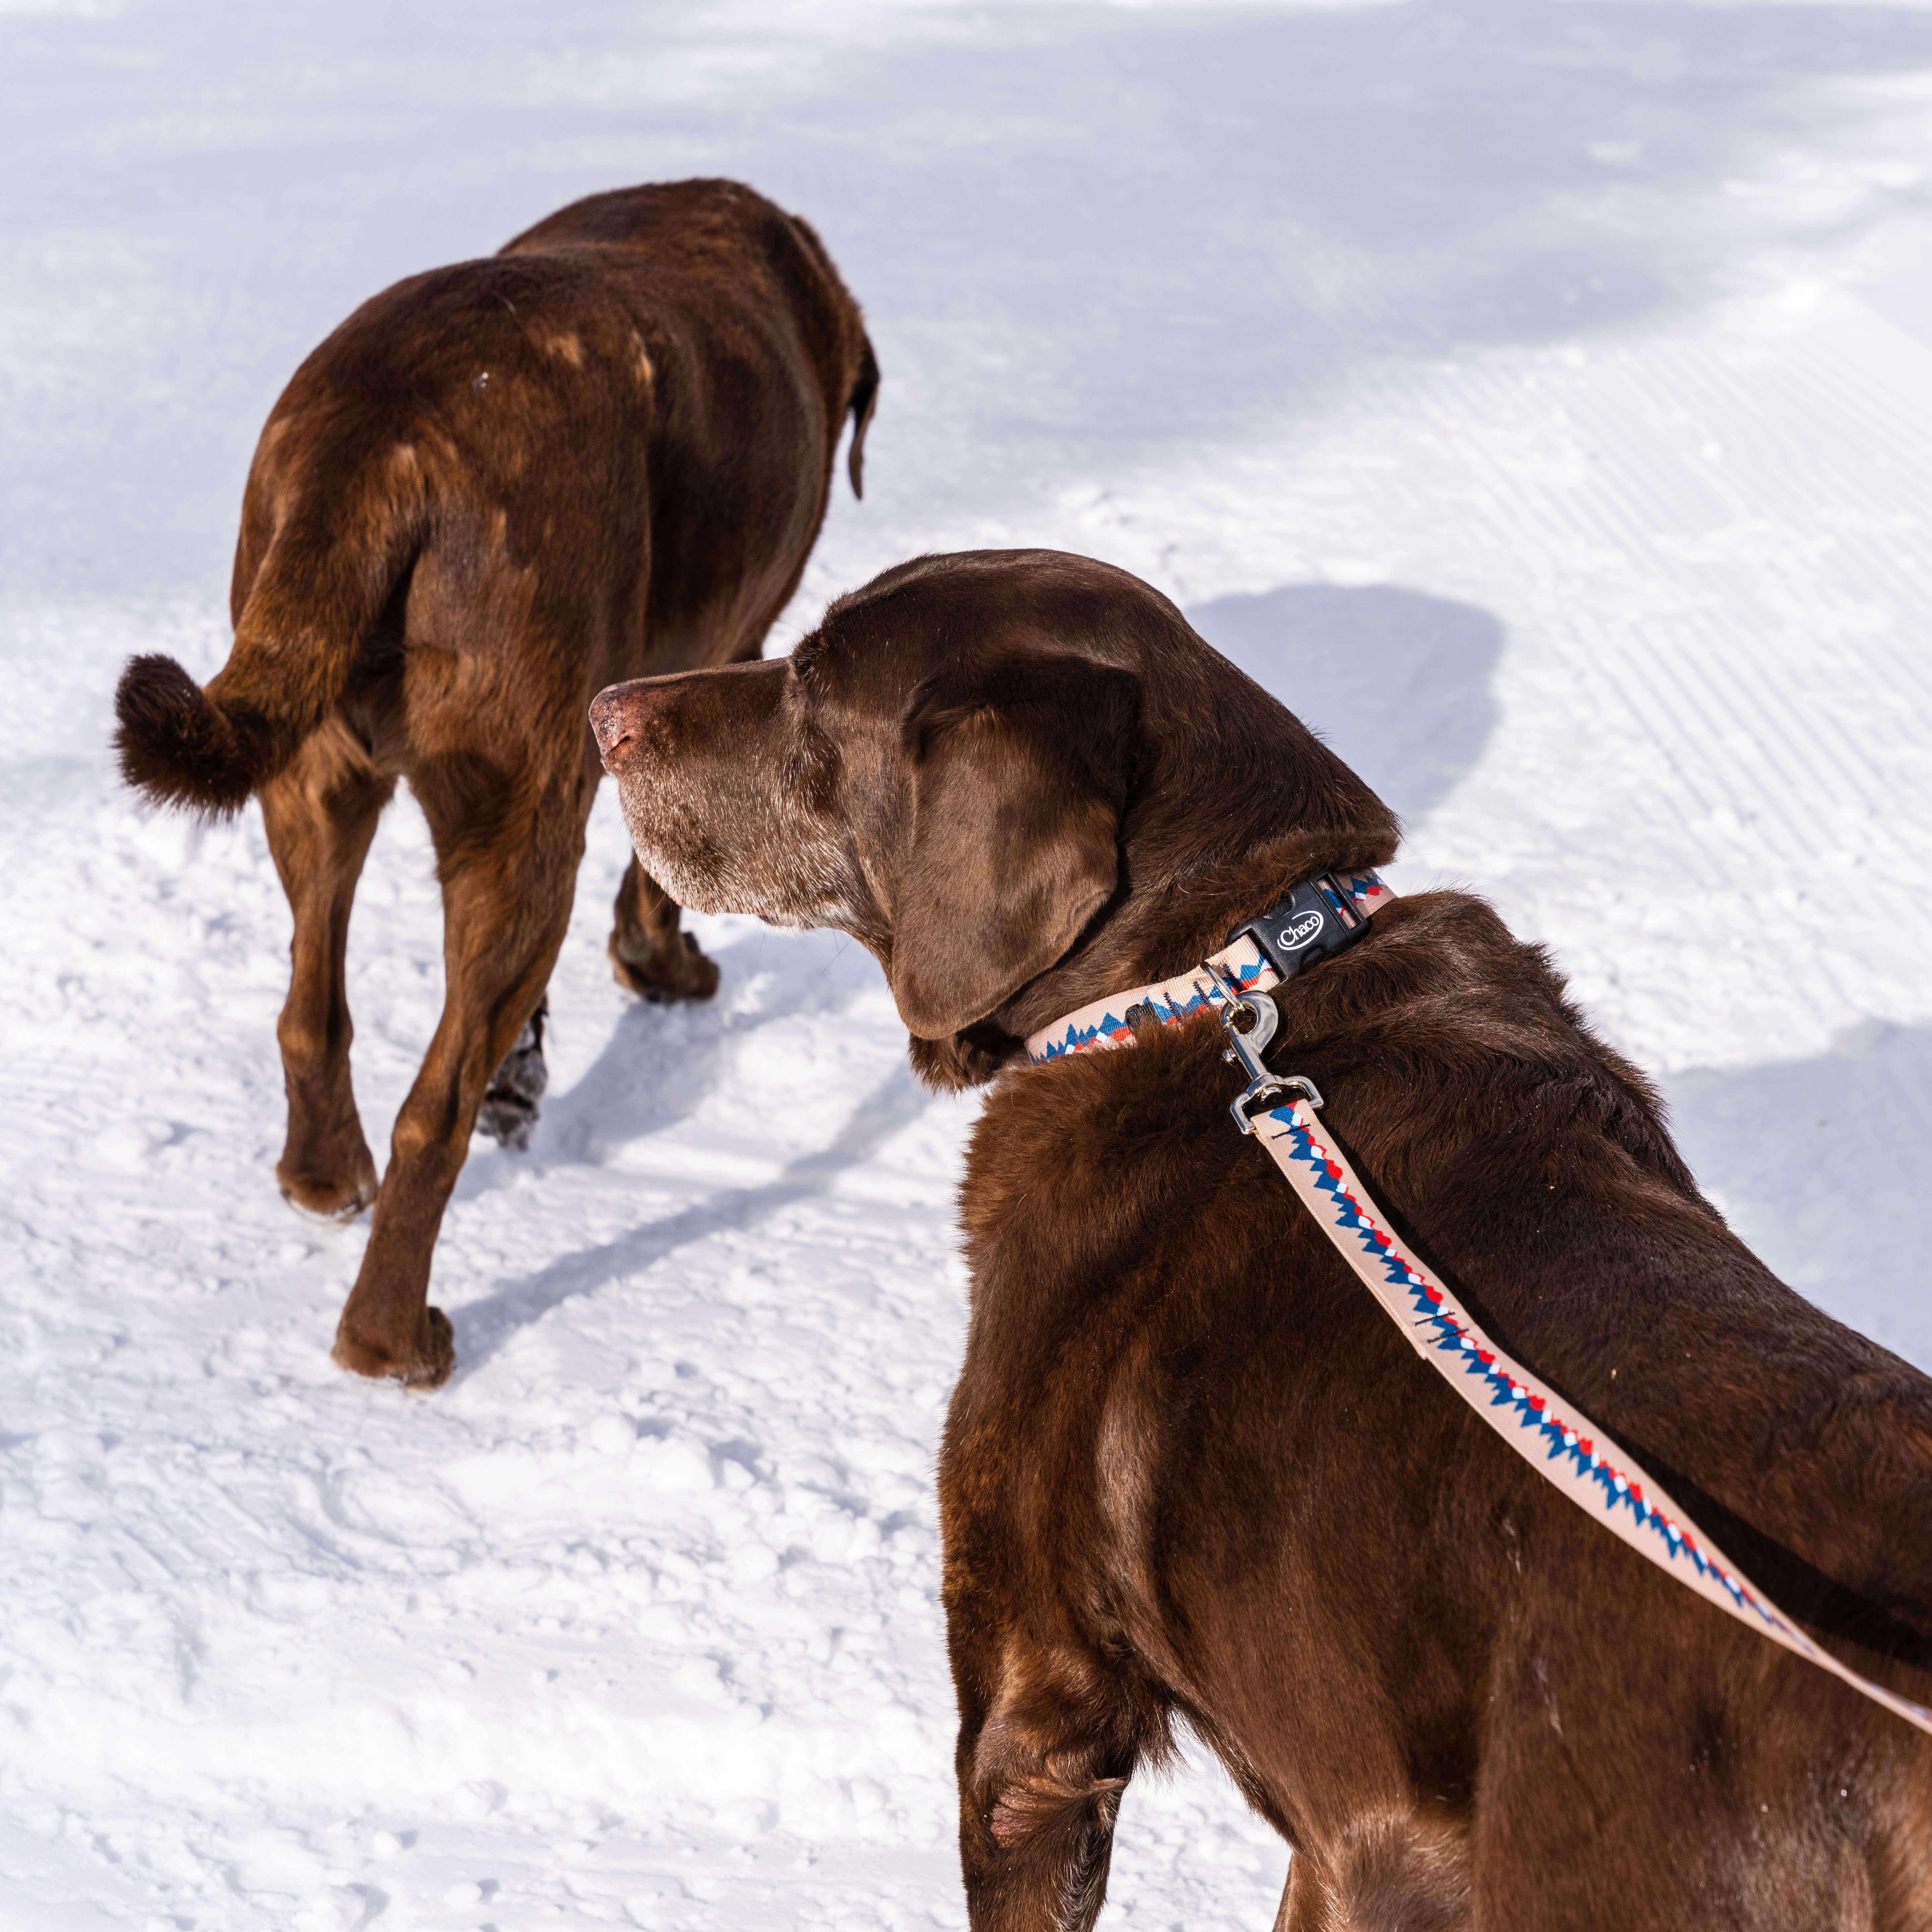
[654, 1071]
[1398, 682]
[485, 1326]
[661, 1061]
[1820, 1164]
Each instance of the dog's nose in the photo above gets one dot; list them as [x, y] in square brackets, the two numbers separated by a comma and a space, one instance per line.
[615, 716]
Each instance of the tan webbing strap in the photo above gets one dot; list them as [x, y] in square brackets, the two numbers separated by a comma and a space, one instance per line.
[1556, 1437]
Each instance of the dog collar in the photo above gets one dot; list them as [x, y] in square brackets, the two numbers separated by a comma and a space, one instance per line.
[1324, 915]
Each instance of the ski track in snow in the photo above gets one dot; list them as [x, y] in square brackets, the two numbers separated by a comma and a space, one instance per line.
[1536, 397]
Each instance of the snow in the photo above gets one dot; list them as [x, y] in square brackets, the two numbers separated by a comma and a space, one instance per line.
[1537, 395]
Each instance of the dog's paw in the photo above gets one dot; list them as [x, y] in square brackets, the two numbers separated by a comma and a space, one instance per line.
[321, 1198]
[681, 972]
[509, 1110]
[424, 1364]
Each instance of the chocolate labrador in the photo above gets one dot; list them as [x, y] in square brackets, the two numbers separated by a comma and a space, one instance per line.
[607, 450]
[1192, 1475]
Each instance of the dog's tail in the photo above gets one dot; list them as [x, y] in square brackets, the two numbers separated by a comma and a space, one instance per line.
[327, 574]
[865, 399]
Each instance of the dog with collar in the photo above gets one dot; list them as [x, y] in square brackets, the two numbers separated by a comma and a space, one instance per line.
[1192, 1475]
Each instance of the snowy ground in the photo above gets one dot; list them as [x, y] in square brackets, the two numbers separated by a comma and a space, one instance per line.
[1538, 396]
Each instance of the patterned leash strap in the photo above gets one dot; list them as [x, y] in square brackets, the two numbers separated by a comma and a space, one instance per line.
[1562, 1443]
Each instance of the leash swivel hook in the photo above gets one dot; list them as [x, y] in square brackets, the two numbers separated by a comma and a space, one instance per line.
[1244, 1049]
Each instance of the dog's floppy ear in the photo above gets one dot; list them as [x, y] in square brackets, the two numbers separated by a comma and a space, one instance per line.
[1019, 775]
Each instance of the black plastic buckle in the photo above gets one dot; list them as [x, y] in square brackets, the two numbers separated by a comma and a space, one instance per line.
[1316, 921]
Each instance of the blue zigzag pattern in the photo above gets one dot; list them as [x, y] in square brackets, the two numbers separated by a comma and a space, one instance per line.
[1619, 1490]
[1112, 1026]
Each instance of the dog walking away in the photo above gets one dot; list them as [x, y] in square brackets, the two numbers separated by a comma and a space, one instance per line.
[1193, 1474]
[497, 486]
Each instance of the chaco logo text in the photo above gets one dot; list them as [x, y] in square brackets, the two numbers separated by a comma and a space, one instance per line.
[1298, 933]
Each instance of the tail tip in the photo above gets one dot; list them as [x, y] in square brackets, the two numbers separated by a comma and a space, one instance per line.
[177, 746]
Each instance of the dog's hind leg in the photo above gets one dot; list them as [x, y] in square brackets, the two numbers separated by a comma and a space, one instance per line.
[510, 1101]
[508, 868]
[652, 955]
[321, 811]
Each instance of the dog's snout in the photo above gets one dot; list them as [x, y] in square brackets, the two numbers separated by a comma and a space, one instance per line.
[616, 715]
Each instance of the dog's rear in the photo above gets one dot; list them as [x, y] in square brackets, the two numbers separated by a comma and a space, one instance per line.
[1192, 1473]
[337, 547]
[393, 418]
[496, 487]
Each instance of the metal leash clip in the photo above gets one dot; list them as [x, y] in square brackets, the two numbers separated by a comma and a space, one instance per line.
[1244, 1049]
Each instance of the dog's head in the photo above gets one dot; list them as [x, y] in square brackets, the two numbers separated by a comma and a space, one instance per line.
[978, 766]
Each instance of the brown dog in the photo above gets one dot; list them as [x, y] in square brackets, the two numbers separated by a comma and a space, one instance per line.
[496, 487]
[1192, 1474]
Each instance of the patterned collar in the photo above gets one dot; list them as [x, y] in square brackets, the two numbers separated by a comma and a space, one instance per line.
[1323, 915]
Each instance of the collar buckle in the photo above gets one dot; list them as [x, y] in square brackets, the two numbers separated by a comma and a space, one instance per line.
[1318, 918]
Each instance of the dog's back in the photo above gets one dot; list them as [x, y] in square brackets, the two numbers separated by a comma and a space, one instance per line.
[605, 449]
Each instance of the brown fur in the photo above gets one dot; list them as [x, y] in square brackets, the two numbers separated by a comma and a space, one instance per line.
[496, 487]
[1192, 1474]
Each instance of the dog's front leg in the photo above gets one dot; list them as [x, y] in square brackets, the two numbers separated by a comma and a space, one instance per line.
[1037, 1834]
[1047, 1743]
[650, 952]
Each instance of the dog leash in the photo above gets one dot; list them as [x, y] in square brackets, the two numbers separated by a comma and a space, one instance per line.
[1561, 1443]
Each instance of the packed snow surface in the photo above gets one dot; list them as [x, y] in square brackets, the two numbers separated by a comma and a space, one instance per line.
[1537, 397]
